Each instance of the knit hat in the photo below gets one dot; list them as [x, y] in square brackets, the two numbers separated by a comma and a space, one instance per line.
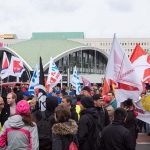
[51, 103]
[23, 108]
[87, 102]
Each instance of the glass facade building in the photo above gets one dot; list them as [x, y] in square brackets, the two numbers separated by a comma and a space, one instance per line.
[87, 61]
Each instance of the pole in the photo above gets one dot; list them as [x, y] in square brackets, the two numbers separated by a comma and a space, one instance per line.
[68, 73]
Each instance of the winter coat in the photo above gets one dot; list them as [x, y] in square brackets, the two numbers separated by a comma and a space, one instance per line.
[45, 121]
[116, 137]
[15, 135]
[87, 129]
[4, 114]
[131, 125]
[63, 134]
[104, 117]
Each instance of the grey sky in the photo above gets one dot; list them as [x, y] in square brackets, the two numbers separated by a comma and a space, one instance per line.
[96, 18]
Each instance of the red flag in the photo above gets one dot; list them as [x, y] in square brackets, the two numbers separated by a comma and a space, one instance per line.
[17, 66]
[141, 63]
[106, 88]
[5, 62]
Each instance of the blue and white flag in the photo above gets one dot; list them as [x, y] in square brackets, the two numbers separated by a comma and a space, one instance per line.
[75, 81]
[34, 81]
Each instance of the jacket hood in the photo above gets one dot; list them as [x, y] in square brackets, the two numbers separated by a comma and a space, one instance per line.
[15, 121]
[65, 128]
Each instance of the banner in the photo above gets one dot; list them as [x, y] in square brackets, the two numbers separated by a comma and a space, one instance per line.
[75, 81]
[54, 75]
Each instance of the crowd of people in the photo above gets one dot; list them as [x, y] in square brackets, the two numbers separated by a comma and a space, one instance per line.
[70, 122]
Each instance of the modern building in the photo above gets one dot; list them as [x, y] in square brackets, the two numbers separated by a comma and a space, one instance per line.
[68, 49]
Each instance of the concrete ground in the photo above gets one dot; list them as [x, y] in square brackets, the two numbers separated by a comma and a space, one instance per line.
[143, 142]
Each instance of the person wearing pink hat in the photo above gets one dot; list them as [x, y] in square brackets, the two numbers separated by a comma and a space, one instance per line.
[19, 132]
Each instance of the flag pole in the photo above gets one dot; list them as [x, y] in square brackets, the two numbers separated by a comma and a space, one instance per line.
[68, 73]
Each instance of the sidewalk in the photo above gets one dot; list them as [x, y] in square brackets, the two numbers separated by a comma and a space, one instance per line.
[143, 139]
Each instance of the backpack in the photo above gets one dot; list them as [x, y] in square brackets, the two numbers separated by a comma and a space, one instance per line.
[45, 132]
[73, 146]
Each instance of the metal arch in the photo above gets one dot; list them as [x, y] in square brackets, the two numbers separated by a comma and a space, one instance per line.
[16, 54]
[56, 58]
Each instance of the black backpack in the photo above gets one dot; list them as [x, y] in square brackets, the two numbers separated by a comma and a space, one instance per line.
[45, 132]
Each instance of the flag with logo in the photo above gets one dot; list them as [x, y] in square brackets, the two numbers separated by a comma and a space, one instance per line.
[120, 71]
[16, 67]
[75, 81]
[86, 82]
[141, 63]
[34, 81]
[54, 75]
[5, 66]
[42, 89]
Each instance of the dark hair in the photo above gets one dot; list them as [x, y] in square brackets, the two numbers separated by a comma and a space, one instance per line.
[63, 113]
[51, 103]
[27, 120]
[86, 88]
[120, 114]
[96, 97]
[128, 103]
[68, 99]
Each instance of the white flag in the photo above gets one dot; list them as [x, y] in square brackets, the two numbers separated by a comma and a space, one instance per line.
[34, 81]
[16, 67]
[54, 75]
[120, 70]
[5, 66]
[75, 81]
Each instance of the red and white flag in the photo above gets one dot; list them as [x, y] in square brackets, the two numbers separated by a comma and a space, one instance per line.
[86, 82]
[16, 67]
[5, 66]
[54, 75]
[141, 63]
[120, 70]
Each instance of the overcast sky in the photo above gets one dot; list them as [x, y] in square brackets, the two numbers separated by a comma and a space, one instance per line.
[96, 18]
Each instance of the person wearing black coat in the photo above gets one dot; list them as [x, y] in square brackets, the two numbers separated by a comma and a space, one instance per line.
[45, 121]
[102, 112]
[131, 121]
[64, 130]
[87, 126]
[115, 136]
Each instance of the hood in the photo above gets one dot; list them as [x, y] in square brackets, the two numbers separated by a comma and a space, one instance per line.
[15, 121]
[65, 128]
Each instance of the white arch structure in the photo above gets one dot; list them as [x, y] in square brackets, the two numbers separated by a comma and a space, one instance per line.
[67, 52]
[56, 58]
